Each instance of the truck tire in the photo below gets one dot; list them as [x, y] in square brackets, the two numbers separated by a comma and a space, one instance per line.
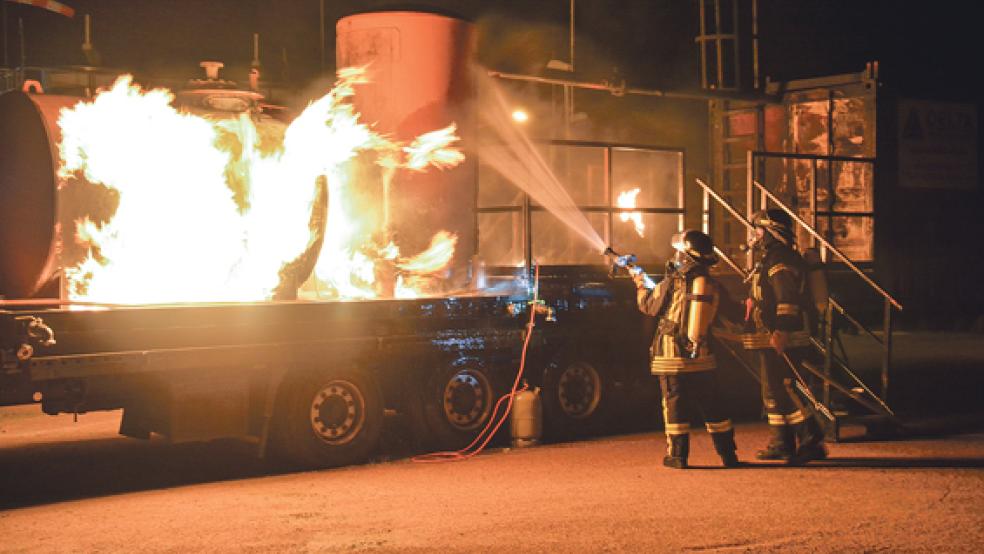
[455, 405]
[576, 395]
[330, 418]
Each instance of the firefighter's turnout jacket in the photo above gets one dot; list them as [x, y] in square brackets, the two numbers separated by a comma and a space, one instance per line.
[778, 293]
[779, 300]
[670, 301]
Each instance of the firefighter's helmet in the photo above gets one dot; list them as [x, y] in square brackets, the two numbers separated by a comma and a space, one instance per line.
[696, 245]
[776, 223]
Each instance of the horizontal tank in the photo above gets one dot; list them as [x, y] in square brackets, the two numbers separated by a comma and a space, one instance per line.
[33, 202]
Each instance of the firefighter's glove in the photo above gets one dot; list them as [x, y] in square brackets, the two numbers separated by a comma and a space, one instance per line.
[640, 278]
[626, 261]
[687, 348]
[779, 340]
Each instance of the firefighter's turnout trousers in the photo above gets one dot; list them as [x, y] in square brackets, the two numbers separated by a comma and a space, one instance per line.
[779, 303]
[686, 377]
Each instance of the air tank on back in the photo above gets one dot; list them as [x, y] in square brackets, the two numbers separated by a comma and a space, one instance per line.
[418, 67]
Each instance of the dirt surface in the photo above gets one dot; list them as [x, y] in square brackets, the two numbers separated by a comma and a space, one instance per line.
[79, 487]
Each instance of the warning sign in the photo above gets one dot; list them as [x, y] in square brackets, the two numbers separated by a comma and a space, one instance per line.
[937, 145]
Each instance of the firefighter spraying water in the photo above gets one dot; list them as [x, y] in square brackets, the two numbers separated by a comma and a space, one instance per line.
[686, 303]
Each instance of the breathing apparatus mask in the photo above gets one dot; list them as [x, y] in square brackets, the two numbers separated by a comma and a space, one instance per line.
[693, 249]
[776, 226]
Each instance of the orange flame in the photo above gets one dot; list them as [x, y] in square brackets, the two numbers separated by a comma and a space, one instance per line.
[436, 258]
[213, 210]
[627, 199]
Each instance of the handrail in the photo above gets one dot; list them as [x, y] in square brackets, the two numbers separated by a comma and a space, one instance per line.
[829, 357]
[829, 246]
[840, 309]
[724, 203]
[843, 366]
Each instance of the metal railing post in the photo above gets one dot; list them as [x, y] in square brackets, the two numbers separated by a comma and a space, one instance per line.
[828, 339]
[749, 196]
[813, 199]
[705, 224]
[887, 350]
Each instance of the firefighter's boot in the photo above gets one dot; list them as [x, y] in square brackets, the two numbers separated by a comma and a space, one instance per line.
[811, 446]
[677, 450]
[782, 444]
[724, 444]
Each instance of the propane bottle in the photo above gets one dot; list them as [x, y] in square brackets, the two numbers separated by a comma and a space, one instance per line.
[526, 418]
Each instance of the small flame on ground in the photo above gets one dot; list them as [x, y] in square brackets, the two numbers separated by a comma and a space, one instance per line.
[627, 199]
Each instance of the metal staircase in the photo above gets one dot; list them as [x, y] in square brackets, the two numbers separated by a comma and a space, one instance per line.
[835, 365]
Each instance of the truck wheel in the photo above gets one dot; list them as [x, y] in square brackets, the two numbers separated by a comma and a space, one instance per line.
[331, 418]
[575, 397]
[456, 405]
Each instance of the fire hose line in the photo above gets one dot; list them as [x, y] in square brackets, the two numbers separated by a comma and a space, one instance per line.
[468, 452]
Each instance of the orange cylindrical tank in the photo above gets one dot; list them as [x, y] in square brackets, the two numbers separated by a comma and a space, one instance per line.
[419, 72]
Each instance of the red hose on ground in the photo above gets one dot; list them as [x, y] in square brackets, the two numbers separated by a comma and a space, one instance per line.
[467, 452]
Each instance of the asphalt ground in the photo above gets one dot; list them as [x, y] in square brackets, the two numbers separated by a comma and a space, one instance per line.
[78, 486]
[106, 493]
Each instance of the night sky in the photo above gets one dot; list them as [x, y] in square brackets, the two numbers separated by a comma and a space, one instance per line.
[924, 48]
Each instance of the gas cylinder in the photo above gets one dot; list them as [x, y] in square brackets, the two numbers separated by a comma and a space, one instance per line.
[701, 311]
[526, 418]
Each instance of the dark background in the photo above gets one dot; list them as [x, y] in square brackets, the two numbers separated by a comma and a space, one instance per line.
[923, 47]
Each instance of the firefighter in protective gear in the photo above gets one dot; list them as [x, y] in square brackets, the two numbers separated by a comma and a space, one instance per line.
[686, 302]
[778, 303]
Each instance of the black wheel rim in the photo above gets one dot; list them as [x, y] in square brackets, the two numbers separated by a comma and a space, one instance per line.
[467, 397]
[338, 412]
[579, 390]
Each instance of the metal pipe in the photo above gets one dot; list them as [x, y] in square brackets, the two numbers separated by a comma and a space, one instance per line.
[705, 223]
[724, 204]
[681, 195]
[842, 364]
[795, 156]
[828, 337]
[749, 202]
[737, 47]
[322, 34]
[840, 309]
[702, 41]
[718, 44]
[609, 195]
[755, 44]
[23, 54]
[6, 61]
[887, 352]
[813, 199]
[621, 90]
[829, 246]
[571, 57]
[87, 33]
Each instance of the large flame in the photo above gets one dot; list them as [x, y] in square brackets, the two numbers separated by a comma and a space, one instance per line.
[627, 199]
[219, 209]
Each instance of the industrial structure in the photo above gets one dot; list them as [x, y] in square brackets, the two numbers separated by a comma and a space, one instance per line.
[314, 377]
